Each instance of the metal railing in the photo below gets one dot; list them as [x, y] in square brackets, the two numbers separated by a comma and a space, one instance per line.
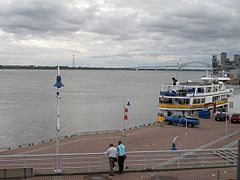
[136, 161]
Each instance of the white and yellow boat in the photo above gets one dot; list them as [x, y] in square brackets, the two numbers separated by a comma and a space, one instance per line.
[191, 97]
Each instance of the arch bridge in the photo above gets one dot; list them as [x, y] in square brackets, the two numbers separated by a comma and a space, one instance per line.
[186, 64]
[192, 64]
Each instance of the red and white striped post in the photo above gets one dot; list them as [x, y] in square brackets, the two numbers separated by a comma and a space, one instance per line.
[125, 114]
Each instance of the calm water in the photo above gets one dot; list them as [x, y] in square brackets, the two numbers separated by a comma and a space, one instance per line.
[90, 101]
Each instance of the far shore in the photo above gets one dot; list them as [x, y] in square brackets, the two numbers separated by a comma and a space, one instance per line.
[33, 67]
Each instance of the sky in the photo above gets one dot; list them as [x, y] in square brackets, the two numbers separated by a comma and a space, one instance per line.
[117, 33]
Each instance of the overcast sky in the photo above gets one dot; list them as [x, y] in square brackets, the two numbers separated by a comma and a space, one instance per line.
[117, 33]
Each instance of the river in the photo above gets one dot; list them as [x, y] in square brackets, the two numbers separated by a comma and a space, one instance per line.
[91, 100]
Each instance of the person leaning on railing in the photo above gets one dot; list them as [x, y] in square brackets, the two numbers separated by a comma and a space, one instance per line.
[121, 156]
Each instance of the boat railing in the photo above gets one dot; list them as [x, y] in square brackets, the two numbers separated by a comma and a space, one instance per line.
[190, 91]
[181, 92]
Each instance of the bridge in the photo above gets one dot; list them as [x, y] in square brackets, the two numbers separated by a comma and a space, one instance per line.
[192, 65]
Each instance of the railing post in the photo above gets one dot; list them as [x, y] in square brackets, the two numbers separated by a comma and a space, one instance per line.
[24, 162]
[144, 156]
[203, 160]
[227, 151]
[57, 169]
[218, 175]
[238, 161]
[179, 154]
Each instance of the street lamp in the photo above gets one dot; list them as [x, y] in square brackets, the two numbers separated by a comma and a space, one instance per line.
[58, 85]
[174, 143]
[174, 148]
[226, 122]
[186, 133]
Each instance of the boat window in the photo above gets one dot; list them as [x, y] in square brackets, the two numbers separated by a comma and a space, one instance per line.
[203, 100]
[180, 101]
[216, 98]
[165, 100]
[215, 89]
[169, 113]
[191, 90]
[224, 97]
[208, 89]
[185, 101]
[200, 90]
[182, 92]
[196, 101]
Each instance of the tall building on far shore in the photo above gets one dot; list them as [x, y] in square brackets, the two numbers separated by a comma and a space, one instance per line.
[223, 59]
[236, 59]
[214, 61]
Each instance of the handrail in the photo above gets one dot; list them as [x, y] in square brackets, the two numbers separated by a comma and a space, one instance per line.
[129, 152]
[137, 160]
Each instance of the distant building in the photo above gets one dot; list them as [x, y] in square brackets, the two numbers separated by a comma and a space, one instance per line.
[223, 59]
[236, 59]
[229, 64]
[215, 64]
[230, 67]
[214, 61]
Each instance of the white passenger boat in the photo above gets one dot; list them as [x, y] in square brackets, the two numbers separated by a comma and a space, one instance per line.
[191, 97]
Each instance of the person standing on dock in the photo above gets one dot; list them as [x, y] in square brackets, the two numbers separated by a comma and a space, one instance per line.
[112, 157]
[121, 156]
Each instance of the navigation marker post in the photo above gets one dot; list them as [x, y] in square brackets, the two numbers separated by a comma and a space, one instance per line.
[125, 114]
[58, 85]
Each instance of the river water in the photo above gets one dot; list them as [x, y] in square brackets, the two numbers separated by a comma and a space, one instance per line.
[91, 100]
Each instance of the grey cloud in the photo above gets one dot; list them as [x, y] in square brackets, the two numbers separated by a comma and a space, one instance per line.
[42, 16]
[121, 27]
[196, 22]
[115, 30]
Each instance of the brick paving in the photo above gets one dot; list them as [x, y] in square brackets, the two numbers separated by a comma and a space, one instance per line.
[148, 138]
[142, 139]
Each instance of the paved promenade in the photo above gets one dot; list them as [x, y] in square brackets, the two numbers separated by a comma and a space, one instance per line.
[209, 134]
[147, 138]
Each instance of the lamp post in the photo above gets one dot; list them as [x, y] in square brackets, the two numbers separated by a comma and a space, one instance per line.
[174, 143]
[174, 148]
[226, 122]
[125, 114]
[226, 126]
[186, 133]
[58, 85]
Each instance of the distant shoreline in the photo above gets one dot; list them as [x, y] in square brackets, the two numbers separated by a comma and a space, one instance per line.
[31, 67]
